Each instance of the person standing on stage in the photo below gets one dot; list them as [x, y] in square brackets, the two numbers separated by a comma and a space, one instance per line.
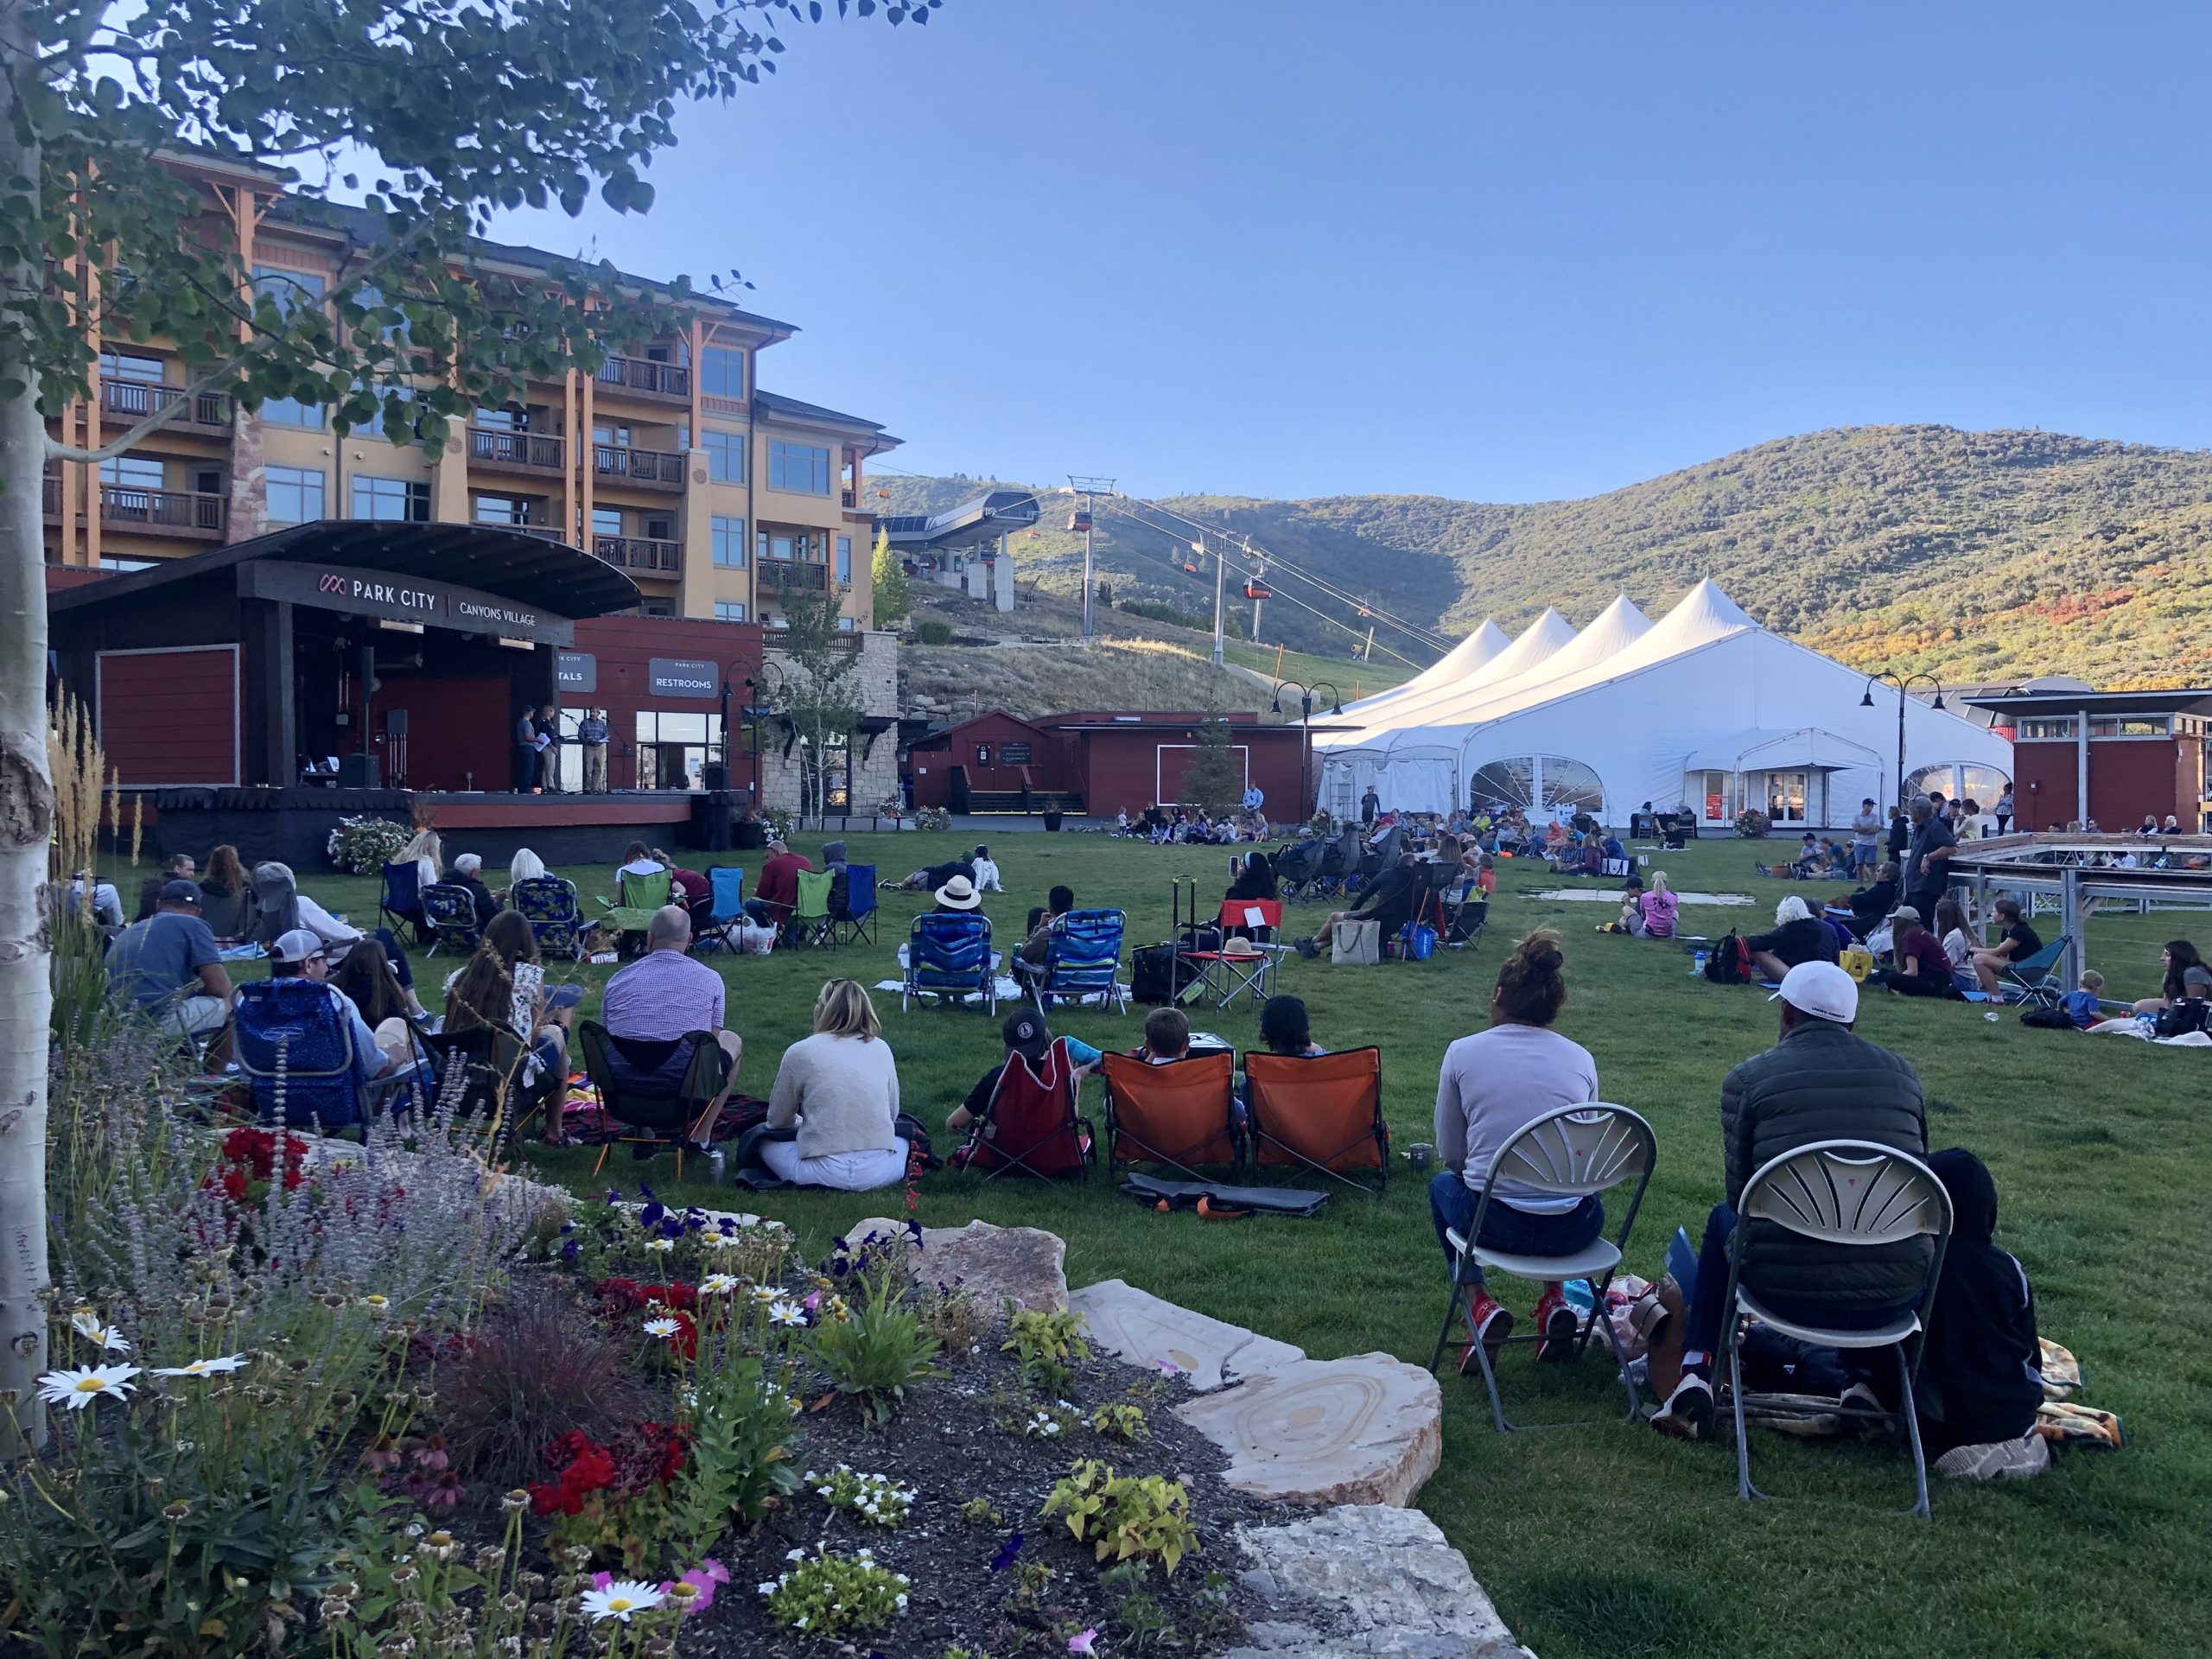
[591, 732]
[549, 749]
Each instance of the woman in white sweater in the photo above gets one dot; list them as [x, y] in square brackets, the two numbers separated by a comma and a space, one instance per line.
[841, 1087]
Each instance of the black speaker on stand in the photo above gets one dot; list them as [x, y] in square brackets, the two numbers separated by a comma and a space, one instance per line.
[395, 748]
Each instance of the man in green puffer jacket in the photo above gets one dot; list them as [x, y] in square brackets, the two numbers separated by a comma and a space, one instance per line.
[1820, 1082]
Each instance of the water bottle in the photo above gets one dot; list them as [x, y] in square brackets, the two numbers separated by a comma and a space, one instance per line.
[1697, 964]
[717, 1167]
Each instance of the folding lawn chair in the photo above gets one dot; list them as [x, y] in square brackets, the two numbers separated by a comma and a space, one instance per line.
[726, 892]
[1570, 1152]
[1082, 960]
[490, 1059]
[679, 1117]
[1030, 1122]
[1257, 920]
[295, 1046]
[548, 904]
[1180, 1114]
[949, 958]
[1322, 1112]
[450, 910]
[399, 907]
[810, 921]
[1852, 1194]
[2032, 980]
[1238, 968]
[852, 915]
[635, 898]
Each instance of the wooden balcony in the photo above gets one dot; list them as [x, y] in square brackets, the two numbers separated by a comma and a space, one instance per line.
[656, 469]
[645, 378]
[538, 454]
[126, 402]
[165, 512]
[640, 553]
[792, 575]
[544, 532]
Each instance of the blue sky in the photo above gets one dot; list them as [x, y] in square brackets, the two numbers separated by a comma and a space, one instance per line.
[1506, 252]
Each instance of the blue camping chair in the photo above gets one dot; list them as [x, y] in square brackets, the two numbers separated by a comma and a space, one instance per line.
[548, 903]
[1082, 960]
[450, 911]
[725, 891]
[293, 1035]
[949, 958]
[400, 909]
[853, 917]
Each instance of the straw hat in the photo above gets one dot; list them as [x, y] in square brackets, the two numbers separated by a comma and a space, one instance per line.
[959, 893]
[1240, 947]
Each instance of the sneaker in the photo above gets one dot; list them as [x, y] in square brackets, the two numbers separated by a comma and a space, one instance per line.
[1556, 1325]
[1488, 1323]
[1864, 1413]
[1689, 1410]
[2001, 1461]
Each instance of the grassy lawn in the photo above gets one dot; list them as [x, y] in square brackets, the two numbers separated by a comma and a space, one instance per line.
[1607, 1540]
[1351, 679]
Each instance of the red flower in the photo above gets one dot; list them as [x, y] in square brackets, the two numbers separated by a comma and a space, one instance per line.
[585, 1467]
[234, 1185]
[627, 1295]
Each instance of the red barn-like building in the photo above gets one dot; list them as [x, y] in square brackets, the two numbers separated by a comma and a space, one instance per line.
[2110, 756]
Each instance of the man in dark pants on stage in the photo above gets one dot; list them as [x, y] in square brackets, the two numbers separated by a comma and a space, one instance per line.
[526, 752]
[548, 756]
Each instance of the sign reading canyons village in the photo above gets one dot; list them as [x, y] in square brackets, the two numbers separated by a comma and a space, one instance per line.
[402, 599]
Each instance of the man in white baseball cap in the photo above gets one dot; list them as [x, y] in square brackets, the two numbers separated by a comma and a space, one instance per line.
[1820, 1082]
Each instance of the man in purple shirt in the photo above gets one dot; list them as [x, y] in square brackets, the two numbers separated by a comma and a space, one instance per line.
[665, 995]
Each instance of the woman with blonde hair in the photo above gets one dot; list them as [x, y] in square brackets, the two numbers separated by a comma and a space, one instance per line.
[428, 855]
[840, 1088]
[1658, 906]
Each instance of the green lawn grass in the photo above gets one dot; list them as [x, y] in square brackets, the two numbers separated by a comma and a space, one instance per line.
[1610, 1540]
[1351, 679]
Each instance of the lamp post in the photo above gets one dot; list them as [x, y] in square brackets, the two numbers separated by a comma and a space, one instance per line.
[755, 707]
[1904, 683]
[1307, 694]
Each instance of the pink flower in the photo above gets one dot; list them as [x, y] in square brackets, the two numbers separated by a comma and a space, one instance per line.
[703, 1578]
[601, 1580]
[1083, 1644]
[813, 1303]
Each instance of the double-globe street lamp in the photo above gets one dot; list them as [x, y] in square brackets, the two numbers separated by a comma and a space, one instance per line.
[1307, 696]
[1904, 683]
[758, 704]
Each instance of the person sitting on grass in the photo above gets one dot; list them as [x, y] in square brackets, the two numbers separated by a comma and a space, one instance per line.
[1492, 1085]
[987, 871]
[1388, 901]
[1869, 904]
[1980, 1375]
[2016, 943]
[1922, 968]
[1024, 1033]
[2174, 963]
[496, 991]
[169, 966]
[1796, 937]
[1960, 941]
[2193, 1011]
[1630, 920]
[936, 875]
[1812, 858]
[2083, 1006]
[367, 978]
[1166, 1037]
[840, 1088]
[1660, 906]
[1820, 1081]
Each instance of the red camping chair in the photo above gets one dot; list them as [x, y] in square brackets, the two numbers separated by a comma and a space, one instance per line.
[1180, 1114]
[1322, 1112]
[1236, 919]
[1031, 1122]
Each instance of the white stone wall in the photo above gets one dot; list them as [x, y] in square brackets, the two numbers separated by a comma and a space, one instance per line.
[875, 773]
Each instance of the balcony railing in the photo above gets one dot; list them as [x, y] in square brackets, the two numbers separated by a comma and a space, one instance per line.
[639, 552]
[643, 374]
[180, 510]
[845, 499]
[544, 532]
[134, 400]
[785, 574]
[535, 451]
[662, 469]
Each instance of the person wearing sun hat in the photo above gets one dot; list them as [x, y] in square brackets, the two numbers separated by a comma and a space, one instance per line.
[1820, 1081]
[958, 896]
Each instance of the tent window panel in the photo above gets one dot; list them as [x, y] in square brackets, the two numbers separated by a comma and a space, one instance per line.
[1540, 783]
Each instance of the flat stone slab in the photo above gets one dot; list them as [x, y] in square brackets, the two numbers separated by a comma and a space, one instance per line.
[1141, 1329]
[1024, 1265]
[1367, 1429]
[1362, 1580]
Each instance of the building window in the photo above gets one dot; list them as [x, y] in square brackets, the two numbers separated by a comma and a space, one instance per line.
[499, 420]
[779, 546]
[399, 500]
[799, 468]
[846, 625]
[2130, 725]
[291, 411]
[777, 620]
[606, 521]
[844, 558]
[289, 289]
[294, 494]
[729, 536]
[725, 456]
[131, 473]
[657, 607]
[2048, 728]
[116, 365]
[501, 510]
[729, 610]
[721, 371]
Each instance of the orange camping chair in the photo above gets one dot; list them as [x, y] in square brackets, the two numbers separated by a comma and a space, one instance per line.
[1322, 1112]
[1031, 1123]
[1181, 1113]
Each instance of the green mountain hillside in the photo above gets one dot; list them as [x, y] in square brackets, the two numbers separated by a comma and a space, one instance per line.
[1979, 555]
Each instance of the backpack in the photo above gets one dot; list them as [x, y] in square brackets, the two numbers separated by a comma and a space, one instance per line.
[1730, 961]
[2194, 1015]
[1158, 974]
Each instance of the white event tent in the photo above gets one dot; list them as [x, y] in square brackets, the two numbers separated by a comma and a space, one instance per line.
[1469, 654]
[1704, 707]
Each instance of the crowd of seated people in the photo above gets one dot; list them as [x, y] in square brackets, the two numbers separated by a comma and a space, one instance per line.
[1179, 825]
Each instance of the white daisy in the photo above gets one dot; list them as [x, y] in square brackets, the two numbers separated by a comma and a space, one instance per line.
[660, 1246]
[717, 1284]
[203, 1367]
[79, 1388]
[622, 1597]
[85, 1322]
[663, 1328]
[786, 1312]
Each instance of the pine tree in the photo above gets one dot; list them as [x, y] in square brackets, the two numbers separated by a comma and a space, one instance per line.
[1212, 779]
[893, 602]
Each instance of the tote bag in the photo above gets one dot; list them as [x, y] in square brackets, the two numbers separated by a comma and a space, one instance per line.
[1357, 941]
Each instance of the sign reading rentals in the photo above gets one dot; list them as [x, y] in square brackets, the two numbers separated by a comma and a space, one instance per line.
[683, 676]
[575, 670]
[401, 599]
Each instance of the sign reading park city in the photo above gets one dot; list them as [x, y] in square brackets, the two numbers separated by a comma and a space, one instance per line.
[575, 670]
[401, 599]
[683, 676]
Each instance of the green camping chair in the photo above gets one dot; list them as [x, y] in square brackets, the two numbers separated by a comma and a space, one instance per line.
[637, 897]
[809, 923]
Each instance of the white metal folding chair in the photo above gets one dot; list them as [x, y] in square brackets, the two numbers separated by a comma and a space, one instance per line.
[1853, 1194]
[1571, 1152]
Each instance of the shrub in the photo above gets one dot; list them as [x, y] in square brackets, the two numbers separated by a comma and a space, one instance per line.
[1129, 1517]
[955, 1319]
[1048, 1344]
[930, 631]
[880, 1350]
[536, 1368]
[932, 818]
[1751, 824]
[743, 1430]
[877, 1499]
[1120, 1422]
[365, 846]
[828, 1595]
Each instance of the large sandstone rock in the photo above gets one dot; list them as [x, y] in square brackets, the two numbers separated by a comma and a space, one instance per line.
[995, 1265]
[1138, 1327]
[1364, 1580]
[1367, 1429]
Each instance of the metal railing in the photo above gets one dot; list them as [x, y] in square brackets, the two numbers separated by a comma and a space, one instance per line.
[661, 466]
[639, 552]
[791, 574]
[643, 374]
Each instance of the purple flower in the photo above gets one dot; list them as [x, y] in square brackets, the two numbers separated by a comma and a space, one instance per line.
[651, 1215]
[572, 1250]
[915, 1228]
[1008, 1552]
[1083, 1644]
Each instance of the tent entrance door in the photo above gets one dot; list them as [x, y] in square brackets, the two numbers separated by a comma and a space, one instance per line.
[1787, 795]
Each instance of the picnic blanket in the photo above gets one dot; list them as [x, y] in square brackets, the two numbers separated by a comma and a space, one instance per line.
[1007, 990]
[247, 952]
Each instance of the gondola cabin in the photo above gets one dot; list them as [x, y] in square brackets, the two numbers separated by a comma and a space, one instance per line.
[1079, 520]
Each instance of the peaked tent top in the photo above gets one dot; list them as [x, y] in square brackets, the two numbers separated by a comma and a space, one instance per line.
[1471, 653]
